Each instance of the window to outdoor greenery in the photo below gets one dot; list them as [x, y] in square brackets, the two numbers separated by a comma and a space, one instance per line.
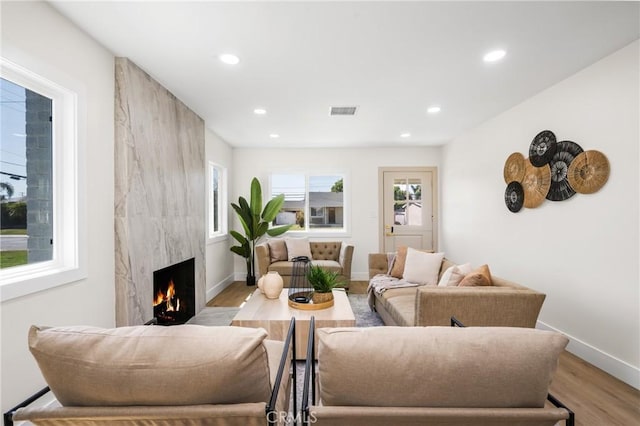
[407, 196]
[41, 243]
[217, 201]
[26, 199]
[312, 202]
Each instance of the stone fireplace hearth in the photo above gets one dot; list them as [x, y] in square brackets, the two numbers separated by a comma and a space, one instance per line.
[159, 191]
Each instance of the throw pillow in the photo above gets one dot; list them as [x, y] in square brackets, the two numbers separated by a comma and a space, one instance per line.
[479, 277]
[297, 247]
[454, 274]
[398, 262]
[422, 268]
[277, 249]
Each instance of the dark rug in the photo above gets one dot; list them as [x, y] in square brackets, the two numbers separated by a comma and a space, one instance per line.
[365, 317]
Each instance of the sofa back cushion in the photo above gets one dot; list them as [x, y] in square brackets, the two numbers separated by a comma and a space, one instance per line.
[277, 249]
[152, 365]
[437, 366]
[325, 250]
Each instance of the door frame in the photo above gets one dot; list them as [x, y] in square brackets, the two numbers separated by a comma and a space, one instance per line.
[434, 201]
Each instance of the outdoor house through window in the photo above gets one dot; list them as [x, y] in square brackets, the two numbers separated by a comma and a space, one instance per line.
[311, 202]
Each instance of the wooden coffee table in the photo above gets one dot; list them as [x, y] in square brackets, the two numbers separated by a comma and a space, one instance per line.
[274, 316]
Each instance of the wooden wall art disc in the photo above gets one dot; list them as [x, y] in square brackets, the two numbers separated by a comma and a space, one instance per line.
[514, 168]
[542, 148]
[536, 184]
[588, 172]
[566, 152]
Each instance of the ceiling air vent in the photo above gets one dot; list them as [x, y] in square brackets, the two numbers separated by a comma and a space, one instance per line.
[343, 110]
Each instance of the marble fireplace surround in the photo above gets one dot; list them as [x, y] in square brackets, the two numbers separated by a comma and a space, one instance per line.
[159, 190]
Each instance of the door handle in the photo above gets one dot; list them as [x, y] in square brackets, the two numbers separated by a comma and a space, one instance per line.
[389, 232]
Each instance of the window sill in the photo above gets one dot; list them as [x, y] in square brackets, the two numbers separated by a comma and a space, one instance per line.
[28, 282]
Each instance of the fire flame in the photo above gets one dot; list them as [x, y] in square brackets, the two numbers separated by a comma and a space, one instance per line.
[167, 299]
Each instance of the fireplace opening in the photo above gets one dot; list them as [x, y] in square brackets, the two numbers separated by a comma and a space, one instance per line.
[174, 297]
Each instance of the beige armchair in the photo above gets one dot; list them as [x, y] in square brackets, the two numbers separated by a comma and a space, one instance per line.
[332, 255]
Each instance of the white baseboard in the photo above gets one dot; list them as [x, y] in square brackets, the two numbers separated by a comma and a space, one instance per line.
[217, 288]
[612, 365]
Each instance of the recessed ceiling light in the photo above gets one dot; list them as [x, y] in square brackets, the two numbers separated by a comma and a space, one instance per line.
[405, 135]
[230, 59]
[260, 111]
[494, 55]
[433, 109]
[274, 136]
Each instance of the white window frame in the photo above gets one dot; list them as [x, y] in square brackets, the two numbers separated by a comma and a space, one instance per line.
[345, 231]
[68, 263]
[223, 208]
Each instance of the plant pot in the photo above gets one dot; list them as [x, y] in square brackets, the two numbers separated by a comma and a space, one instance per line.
[251, 280]
[272, 285]
[321, 297]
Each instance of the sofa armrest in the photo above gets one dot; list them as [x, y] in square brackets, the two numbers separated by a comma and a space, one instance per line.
[345, 259]
[378, 264]
[478, 306]
[263, 258]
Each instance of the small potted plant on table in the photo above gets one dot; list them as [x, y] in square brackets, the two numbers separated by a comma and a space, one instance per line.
[323, 282]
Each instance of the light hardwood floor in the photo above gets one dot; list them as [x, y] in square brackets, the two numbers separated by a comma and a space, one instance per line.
[597, 398]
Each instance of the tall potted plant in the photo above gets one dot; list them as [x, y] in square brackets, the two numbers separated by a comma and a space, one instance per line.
[255, 222]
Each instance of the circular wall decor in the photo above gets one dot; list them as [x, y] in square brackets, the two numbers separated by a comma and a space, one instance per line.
[514, 196]
[536, 183]
[588, 172]
[542, 148]
[560, 189]
[514, 168]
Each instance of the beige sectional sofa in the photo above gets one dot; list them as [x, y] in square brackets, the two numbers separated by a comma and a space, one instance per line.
[335, 256]
[405, 376]
[504, 303]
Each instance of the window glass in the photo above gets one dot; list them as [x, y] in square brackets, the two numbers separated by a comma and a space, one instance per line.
[407, 196]
[217, 201]
[26, 199]
[312, 202]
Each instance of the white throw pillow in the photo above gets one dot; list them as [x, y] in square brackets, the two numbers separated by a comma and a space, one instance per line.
[454, 274]
[422, 268]
[297, 247]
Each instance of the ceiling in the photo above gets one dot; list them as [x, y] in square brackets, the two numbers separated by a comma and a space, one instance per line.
[392, 60]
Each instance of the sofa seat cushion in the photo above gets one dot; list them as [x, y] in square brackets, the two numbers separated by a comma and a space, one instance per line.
[330, 265]
[474, 367]
[400, 303]
[286, 268]
[153, 365]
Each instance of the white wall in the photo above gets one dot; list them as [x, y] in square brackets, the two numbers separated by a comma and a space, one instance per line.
[218, 257]
[38, 38]
[360, 167]
[581, 252]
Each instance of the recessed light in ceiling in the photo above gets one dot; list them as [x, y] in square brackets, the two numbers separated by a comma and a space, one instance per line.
[405, 135]
[433, 109]
[230, 59]
[260, 111]
[274, 136]
[494, 55]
